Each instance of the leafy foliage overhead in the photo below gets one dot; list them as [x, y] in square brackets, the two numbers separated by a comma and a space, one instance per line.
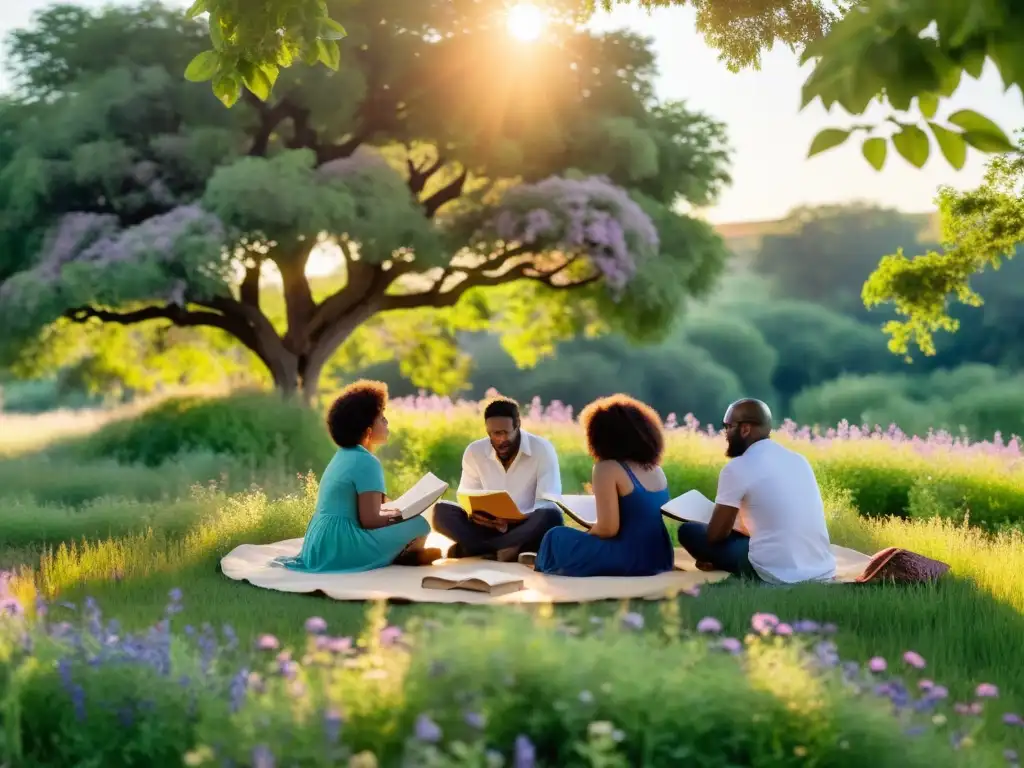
[422, 170]
[980, 228]
[898, 54]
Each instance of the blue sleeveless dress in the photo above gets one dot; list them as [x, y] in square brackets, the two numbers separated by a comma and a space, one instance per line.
[642, 547]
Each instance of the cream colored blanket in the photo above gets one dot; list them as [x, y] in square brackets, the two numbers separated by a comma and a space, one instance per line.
[252, 563]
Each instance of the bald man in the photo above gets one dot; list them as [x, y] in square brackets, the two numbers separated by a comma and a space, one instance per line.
[774, 494]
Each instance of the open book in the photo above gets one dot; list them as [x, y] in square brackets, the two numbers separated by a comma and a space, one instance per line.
[496, 504]
[582, 509]
[417, 499]
[489, 582]
[693, 506]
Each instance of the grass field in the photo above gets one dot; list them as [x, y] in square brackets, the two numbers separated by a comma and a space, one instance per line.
[127, 536]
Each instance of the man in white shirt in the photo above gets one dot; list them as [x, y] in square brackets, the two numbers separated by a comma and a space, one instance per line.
[772, 491]
[508, 459]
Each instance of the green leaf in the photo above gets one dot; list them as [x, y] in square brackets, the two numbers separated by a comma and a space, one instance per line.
[875, 151]
[203, 67]
[973, 123]
[974, 62]
[198, 7]
[329, 53]
[912, 143]
[271, 70]
[227, 89]
[986, 142]
[826, 140]
[216, 33]
[928, 104]
[284, 56]
[311, 53]
[332, 30]
[255, 80]
[952, 144]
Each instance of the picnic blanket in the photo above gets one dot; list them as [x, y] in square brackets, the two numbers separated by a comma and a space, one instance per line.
[253, 563]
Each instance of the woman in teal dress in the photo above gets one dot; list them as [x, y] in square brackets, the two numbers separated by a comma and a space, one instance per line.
[348, 532]
[629, 539]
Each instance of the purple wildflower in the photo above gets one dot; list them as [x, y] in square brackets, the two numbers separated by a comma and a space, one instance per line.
[332, 725]
[986, 691]
[1011, 718]
[475, 720]
[764, 623]
[262, 757]
[525, 755]
[914, 659]
[877, 664]
[784, 629]
[427, 730]
[710, 625]
[730, 645]
[315, 625]
[267, 643]
[633, 620]
[390, 635]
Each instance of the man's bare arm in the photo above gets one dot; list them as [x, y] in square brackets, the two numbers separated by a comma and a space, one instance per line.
[722, 521]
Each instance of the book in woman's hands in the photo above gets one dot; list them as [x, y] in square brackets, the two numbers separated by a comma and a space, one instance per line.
[489, 582]
[496, 504]
[693, 506]
[417, 499]
[582, 509]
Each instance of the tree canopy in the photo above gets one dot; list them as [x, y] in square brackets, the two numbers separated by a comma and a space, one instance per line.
[425, 168]
[900, 55]
[980, 229]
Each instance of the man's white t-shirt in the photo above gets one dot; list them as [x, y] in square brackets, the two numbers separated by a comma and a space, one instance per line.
[780, 505]
[533, 473]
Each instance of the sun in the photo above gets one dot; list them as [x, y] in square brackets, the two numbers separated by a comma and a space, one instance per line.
[526, 22]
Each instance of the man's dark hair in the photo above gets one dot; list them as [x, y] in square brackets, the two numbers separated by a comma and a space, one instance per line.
[355, 410]
[620, 428]
[502, 408]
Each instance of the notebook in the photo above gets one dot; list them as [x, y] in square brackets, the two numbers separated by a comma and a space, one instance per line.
[497, 504]
[694, 506]
[489, 582]
[582, 509]
[417, 499]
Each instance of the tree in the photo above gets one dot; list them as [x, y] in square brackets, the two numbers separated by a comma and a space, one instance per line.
[426, 166]
[825, 254]
[862, 52]
[980, 228]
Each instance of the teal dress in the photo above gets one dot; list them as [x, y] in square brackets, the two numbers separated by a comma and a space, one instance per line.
[335, 542]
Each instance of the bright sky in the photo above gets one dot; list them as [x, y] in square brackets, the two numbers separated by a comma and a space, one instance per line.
[768, 134]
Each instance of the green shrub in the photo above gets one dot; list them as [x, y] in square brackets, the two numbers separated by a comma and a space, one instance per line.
[487, 690]
[257, 428]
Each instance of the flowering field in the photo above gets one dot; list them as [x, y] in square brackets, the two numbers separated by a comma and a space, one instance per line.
[231, 675]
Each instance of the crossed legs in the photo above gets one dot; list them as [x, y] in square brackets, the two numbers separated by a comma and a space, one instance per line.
[730, 555]
[472, 540]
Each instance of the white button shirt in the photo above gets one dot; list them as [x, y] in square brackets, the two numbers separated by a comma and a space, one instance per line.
[533, 473]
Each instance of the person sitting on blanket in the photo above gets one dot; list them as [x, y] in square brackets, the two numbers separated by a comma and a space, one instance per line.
[629, 539]
[773, 492]
[349, 531]
[508, 459]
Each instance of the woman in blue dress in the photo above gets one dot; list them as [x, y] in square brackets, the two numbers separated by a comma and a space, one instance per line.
[629, 539]
[349, 532]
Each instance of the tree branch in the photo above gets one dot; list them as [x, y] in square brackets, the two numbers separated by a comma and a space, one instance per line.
[269, 119]
[249, 290]
[450, 191]
[420, 174]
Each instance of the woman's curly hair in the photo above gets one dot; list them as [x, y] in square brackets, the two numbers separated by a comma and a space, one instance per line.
[355, 411]
[621, 428]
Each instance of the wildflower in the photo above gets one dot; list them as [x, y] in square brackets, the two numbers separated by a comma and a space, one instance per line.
[926, 685]
[763, 623]
[600, 728]
[938, 692]
[198, 756]
[1011, 718]
[806, 626]
[332, 725]
[877, 664]
[829, 629]
[475, 720]
[315, 625]
[586, 697]
[262, 757]
[709, 624]
[427, 730]
[800, 751]
[730, 645]
[986, 691]
[633, 620]
[525, 755]
[914, 659]
[784, 629]
[175, 595]
[390, 635]
[267, 643]
[1010, 755]
[939, 720]
[365, 759]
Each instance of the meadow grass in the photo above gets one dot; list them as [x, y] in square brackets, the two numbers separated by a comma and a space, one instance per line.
[129, 552]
